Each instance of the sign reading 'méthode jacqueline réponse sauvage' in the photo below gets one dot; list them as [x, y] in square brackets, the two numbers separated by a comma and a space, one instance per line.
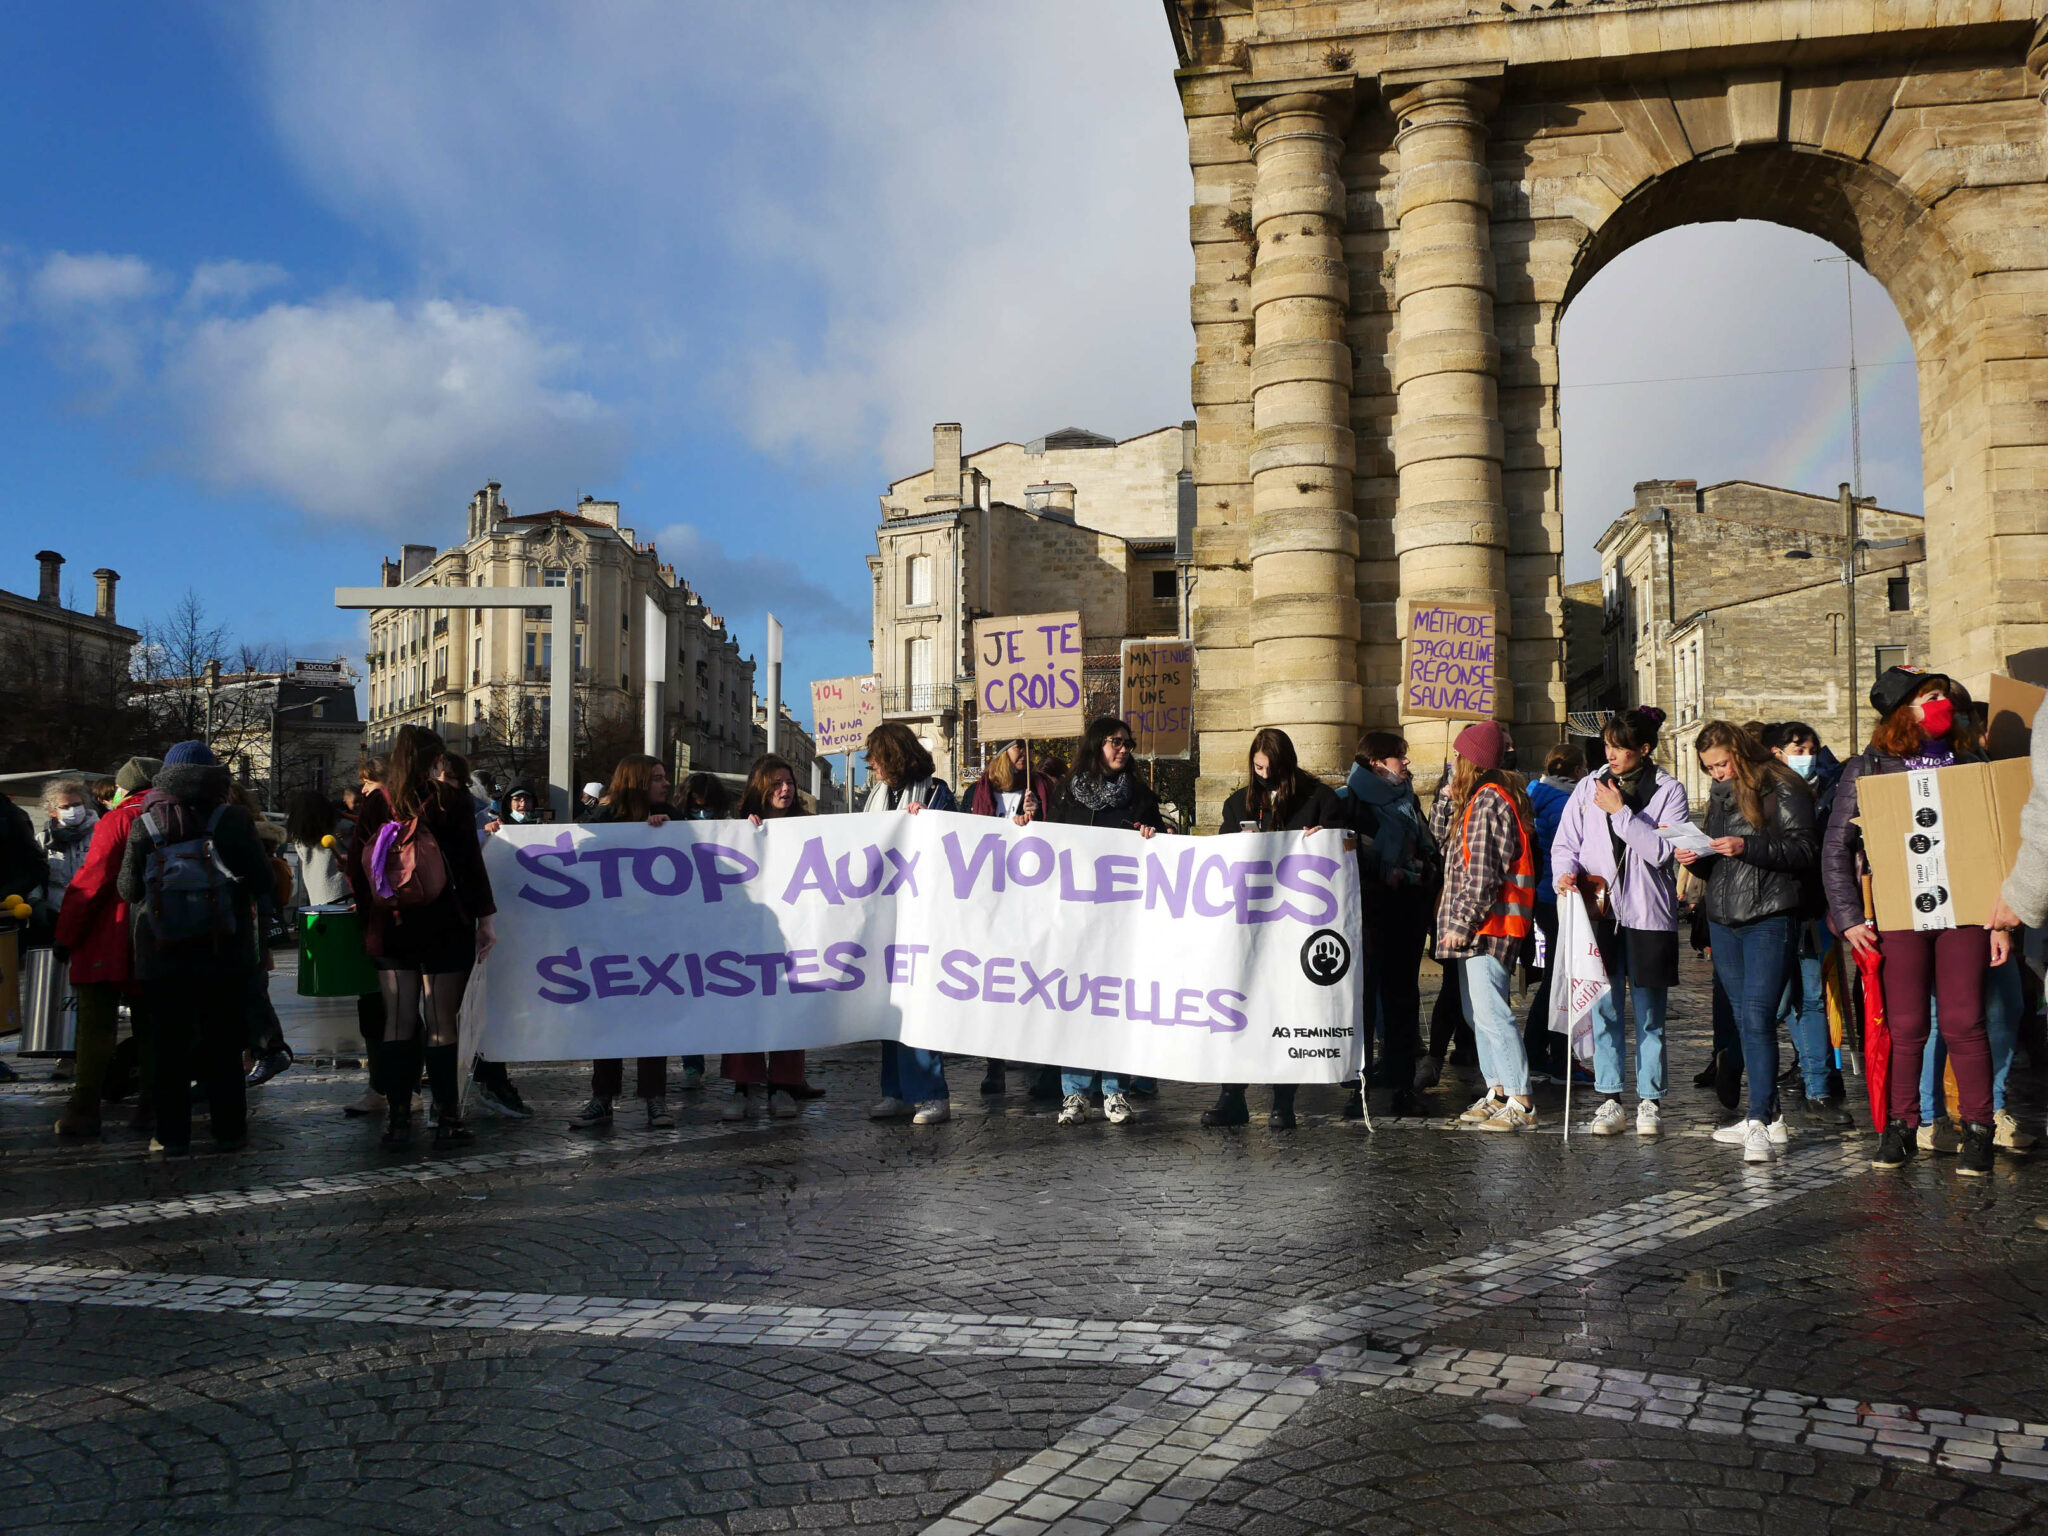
[1225, 959]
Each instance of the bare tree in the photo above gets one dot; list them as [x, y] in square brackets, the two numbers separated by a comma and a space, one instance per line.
[194, 685]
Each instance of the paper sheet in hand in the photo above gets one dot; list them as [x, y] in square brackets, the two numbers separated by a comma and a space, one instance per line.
[1685, 835]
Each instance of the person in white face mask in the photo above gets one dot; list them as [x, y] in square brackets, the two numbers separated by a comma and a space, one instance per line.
[1803, 1009]
[68, 819]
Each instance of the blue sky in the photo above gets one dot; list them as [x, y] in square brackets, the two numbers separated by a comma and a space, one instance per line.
[280, 286]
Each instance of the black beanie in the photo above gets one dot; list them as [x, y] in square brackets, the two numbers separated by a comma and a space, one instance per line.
[1898, 685]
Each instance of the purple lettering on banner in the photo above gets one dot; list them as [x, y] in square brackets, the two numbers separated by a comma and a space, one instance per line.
[725, 980]
[1039, 849]
[840, 956]
[803, 965]
[1113, 871]
[1297, 872]
[1036, 985]
[1103, 991]
[560, 971]
[711, 879]
[1137, 1014]
[1080, 997]
[658, 974]
[679, 871]
[607, 861]
[813, 872]
[906, 873]
[1175, 892]
[573, 892]
[695, 967]
[1184, 1000]
[1231, 1020]
[960, 984]
[1242, 876]
[870, 882]
[768, 967]
[1068, 890]
[614, 976]
[1204, 907]
[996, 972]
[899, 962]
[989, 849]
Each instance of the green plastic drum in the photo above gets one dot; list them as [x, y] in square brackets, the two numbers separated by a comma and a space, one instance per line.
[331, 958]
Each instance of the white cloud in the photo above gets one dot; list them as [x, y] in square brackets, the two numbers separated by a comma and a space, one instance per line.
[65, 281]
[368, 411]
[231, 282]
[747, 585]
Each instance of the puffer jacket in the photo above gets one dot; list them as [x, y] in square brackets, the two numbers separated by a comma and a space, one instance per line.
[1769, 876]
[93, 924]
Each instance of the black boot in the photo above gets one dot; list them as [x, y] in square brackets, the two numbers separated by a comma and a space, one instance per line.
[397, 1065]
[1406, 1104]
[1973, 1158]
[449, 1131]
[1896, 1147]
[1728, 1078]
[1281, 1117]
[1354, 1104]
[398, 1124]
[995, 1081]
[1705, 1078]
[1230, 1108]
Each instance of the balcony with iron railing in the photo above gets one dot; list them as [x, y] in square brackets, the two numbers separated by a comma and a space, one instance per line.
[920, 699]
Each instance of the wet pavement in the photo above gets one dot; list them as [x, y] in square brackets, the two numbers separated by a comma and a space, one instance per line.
[1002, 1325]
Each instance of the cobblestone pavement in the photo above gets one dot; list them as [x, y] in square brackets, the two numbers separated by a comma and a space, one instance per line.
[1000, 1325]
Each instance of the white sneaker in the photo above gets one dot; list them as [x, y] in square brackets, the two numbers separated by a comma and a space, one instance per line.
[782, 1104]
[933, 1112]
[740, 1105]
[1734, 1135]
[1779, 1132]
[1484, 1108]
[1941, 1137]
[888, 1109]
[1074, 1109]
[1756, 1142]
[1116, 1109]
[1610, 1119]
[1427, 1070]
[1649, 1119]
[2008, 1134]
[1510, 1117]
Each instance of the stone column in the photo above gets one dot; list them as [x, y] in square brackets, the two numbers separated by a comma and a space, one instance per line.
[1304, 533]
[1450, 529]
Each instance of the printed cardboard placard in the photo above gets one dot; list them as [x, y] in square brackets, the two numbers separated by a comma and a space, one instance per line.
[1449, 662]
[845, 712]
[1941, 841]
[1027, 676]
[1159, 695]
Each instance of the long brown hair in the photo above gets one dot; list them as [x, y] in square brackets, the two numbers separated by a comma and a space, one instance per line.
[1468, 778]
[631, 791]
[1284, 786]
[409, 769]
[899, 757]
[1756, 769]
[761, 784]
[1898, 734]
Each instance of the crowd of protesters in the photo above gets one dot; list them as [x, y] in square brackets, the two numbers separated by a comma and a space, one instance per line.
[159, 885]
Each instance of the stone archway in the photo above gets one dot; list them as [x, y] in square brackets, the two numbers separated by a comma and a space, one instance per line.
[1394, 205]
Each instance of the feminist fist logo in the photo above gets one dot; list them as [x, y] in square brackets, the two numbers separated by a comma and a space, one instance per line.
[1326, 957]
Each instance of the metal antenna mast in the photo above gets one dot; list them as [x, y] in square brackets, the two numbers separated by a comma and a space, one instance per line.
[1855, 404]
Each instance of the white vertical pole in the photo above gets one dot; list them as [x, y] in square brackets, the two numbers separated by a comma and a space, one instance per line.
[774, 684]
[656, 645]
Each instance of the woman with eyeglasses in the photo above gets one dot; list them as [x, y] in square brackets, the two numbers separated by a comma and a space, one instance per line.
[1103, 791]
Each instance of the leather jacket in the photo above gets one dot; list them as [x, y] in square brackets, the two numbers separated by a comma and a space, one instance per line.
[1770, 874]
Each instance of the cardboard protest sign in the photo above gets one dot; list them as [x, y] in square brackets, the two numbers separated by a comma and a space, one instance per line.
[1449, 662]
[844, 712]
[1941, 841]
[1226, 959]
[2012, 707]
[1027, 676]
[1159, 695]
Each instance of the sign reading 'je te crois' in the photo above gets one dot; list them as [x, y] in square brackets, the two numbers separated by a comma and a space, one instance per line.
[1027, 676]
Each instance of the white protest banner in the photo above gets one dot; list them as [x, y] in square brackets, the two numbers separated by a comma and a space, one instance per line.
[1578, 976]
[845, 712]
[1228, 959]
[1027, 676]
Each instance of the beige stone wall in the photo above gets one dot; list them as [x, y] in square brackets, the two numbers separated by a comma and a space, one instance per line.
[1910, 134]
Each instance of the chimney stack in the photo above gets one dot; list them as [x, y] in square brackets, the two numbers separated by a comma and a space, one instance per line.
[51, 562]
[103, 602]
[946, 463]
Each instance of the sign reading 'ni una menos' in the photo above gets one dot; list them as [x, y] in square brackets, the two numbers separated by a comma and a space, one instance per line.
[845, 711]
[1027, 676]
[1449, 661]
[1159, 692]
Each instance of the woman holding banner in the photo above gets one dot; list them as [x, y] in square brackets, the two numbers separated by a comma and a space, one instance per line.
[1102, 791]
[1925, 720]
[1278, 798]
[1005, 788]
[771, 1078]
[1486, 828]
[638, 792]
[902, 777]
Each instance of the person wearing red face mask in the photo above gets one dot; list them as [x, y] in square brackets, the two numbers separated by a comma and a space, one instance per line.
[1924, 721]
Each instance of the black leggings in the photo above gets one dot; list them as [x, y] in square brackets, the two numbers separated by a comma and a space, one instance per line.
[422, 1025]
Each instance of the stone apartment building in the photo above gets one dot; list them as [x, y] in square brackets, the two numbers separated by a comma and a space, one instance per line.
[59, 669]
[479, 676]
[278, 732]
[1727, 602]
[1073, 520]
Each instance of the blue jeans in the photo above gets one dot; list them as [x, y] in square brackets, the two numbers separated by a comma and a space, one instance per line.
[1804, 1007]
[1608, 1040]
[1484, 995]
[2003, 1004]
[912, 1075]
[1085, 1083]
[1749, 962]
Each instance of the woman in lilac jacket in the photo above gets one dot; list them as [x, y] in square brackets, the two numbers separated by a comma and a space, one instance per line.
[1607, 845]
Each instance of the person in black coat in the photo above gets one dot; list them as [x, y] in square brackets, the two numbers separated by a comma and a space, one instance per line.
[1278, 798]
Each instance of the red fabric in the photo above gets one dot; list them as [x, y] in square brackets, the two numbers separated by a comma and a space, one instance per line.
[93, 922]
[1877, 1036]
[784, 1069]
[1945, 966]
[982, 801]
